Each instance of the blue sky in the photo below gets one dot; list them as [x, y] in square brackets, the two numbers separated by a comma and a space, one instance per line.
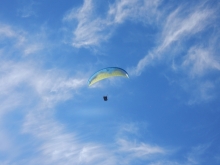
[166, 113]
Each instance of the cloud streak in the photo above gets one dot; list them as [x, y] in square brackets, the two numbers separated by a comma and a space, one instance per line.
[93, 29]
[29, 88]
[192, 157]
[57, 145]
[20, 41]
[198, 61]
[178, 27]
[60, 147]
[27, 10]
[139, 150]
[188, 43]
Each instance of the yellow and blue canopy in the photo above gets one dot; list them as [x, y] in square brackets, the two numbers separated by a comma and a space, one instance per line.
[107, 73]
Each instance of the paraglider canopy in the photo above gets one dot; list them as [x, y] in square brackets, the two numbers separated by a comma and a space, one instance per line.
[107, 73]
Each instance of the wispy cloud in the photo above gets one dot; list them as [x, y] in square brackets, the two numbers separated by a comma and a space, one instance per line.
[58, 146]
[27, 10]
[29, 88]
[200, 91]
[179, 25]
[196, 155]
[46, 85]
[130, 146]
[6, 146]
[92, 29]
[129, 128]
[141, 150]
[36, 91]
[20, 40]
[7, 31]
[135, 10]
[188, 43]
[198, 61]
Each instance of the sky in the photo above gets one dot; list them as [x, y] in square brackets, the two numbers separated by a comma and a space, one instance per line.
[166, 113]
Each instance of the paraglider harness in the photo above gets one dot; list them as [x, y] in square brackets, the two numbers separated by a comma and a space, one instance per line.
[105, 98]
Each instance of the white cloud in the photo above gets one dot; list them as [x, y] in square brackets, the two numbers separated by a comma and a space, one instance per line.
[178, 27]
[32, 49]
[93, 29]
[47, 85]
[199, 60]
[195, 156]
[133, 129]
[89, 30]
[129, 128]
[201, 91]
[27, 9]
[60, 147]
[40, 90]
[29, 77]
[6, 146]
[185, 46]
[122, 10]
[147, 60]
[197, 65]
[129, 145]
[28, 88]
[139, 150]
[19, 41]
[7, 32]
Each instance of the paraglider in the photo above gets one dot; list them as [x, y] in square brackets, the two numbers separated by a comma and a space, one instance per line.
[105, 98]
[107, 73]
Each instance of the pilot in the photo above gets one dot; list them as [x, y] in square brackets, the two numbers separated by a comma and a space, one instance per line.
[105, 98]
